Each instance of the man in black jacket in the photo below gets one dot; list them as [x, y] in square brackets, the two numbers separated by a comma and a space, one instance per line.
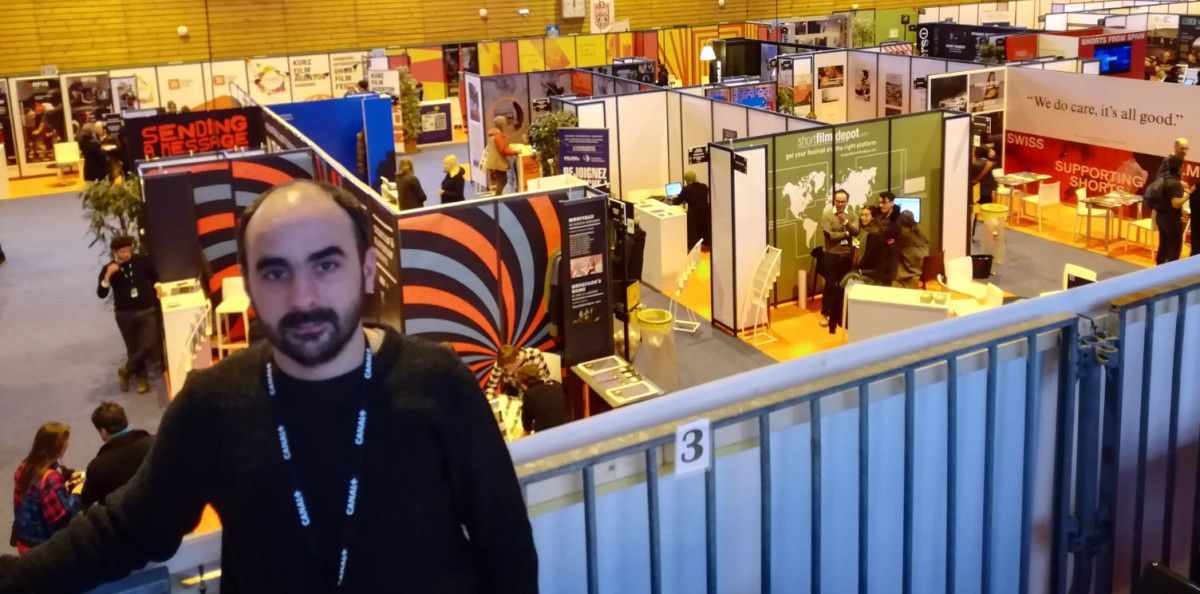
[122, 453]
[335, 454]
[131, 279]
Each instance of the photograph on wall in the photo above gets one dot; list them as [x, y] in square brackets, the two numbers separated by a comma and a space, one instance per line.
[41, 116]
[146, 83]
[6, 131]
[1162, 45]
[1189, 40]
[802, 93]
[543, 85]
[310, 77]
[948, 92]
[181, 87]
[507, 96]
[830, 95]
[223, 77]
[474, 102]
[893, 91]
[986, 91]
[757, 96]
[717, 94]
[124, 93]
[831, 77]
[862, 88]
[89, 97]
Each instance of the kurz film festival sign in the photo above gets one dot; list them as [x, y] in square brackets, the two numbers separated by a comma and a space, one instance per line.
[177, 134]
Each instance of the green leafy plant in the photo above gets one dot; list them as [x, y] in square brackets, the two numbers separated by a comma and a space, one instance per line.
[990, 53]
[785, 99]
[862, 30]
[113, 209]
[410, 105]
[543, 136]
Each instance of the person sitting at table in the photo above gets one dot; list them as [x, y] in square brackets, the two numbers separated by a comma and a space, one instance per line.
[509, 359]
[544, 400]
[875, 262]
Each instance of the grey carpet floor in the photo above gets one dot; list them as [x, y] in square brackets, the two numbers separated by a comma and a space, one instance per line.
[427, 165]
[1034, 265]
[59, 344]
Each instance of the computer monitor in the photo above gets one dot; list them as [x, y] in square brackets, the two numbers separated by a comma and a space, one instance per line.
[674, 189]
[1189, 81]
[911, 204]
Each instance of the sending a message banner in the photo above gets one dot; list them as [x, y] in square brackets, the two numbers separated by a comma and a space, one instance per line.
[177, 134]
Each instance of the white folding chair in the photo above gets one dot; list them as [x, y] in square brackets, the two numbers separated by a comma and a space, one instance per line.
[1048, 194]
[1082, 211]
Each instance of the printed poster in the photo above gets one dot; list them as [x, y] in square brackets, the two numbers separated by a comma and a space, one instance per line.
[147, 85]
[269, 80]
[224, 75]
[345, 70]
[89, 97]
[987, 91]
[182, 87]
[6, 131]
[310, 77]
[586, 298]
[41, 117]
[583, 153]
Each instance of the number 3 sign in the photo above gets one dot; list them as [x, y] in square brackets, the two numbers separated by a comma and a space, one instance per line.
[693, 447]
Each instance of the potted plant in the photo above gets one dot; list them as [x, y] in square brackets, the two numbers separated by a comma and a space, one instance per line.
[862, 30]
[410, 110]
[113, 209]
[543, 136]
[785, 99]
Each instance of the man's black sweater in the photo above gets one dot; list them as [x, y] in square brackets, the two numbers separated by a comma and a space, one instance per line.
[138, 273]
[439, 508]
[115, 464]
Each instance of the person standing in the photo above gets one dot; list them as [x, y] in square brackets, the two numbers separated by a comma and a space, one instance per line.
[695, 198]
[408, 187]
[42, 501]
[839, 229]
[94, 162]
[1193, 204]
[496, 155]
[131, 279]
[454, 181]
[339, 456]
[1168, 213]
[123, 451]
[889, 228]
[914, 248]
[1180, 149]
[981, 176]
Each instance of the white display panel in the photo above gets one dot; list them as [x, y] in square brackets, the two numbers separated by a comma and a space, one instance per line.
[1025, 14]
[696, 125]
[269, 81]
[182, 85]
[1062, 65]
[616, 185]
[1058, 45]
[476, 131]
[642, 129]
[310, 77]
[749, 223]
[794, 125]
[720, 188]
[345, 70]
[220, 75]
[956, 193]
[675, 150]
[864, 88]
[591, 115]
[829, 94]
[728, 120]
[895, 85]
[1055, 22]
[921, 68]
[1091, 67]
[764, 122]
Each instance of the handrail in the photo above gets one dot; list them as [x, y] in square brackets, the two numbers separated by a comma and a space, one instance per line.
[778, 377]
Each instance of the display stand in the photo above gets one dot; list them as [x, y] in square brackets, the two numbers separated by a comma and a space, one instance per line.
[186, 327]
[666, 240]
[755, 308]
[691, 324]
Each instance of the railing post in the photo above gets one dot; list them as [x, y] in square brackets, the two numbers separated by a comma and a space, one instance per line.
[1087, 531]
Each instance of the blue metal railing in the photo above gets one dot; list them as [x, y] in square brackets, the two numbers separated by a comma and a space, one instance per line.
[1021, 363]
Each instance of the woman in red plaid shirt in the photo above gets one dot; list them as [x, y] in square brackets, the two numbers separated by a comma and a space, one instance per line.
[42, 502]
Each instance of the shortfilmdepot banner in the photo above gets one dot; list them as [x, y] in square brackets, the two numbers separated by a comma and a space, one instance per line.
[1092, 132]
[176, 134]
[584, 154]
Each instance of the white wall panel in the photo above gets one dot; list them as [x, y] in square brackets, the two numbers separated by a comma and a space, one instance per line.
[956, 197]
[720, 187]
[696, 125]
[642, 128]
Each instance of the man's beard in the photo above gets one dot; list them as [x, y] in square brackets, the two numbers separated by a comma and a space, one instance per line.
[322, 346]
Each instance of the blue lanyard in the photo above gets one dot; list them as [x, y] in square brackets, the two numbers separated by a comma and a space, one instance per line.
[354, 486]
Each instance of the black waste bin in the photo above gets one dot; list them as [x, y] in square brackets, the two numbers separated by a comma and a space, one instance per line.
[981, 266]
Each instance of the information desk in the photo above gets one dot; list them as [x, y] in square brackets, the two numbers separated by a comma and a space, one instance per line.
[643, 194]
[874, 311]
[615, 381]
[666, 243]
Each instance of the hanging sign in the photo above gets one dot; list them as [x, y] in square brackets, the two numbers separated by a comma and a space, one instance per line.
[175, 134]
[697, 154]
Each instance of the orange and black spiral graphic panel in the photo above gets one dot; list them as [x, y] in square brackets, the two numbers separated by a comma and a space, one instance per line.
[475, 276]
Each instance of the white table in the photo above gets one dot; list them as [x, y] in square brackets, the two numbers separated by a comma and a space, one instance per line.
[1115, 200]
[666, 243]
[873, 310]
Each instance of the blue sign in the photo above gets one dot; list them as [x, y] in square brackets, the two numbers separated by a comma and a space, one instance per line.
[584, 154]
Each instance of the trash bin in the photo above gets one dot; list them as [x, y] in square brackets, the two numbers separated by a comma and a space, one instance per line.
[981, 266]
[656, 354]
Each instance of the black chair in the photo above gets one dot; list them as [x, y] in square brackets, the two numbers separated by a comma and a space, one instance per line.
[545, 406]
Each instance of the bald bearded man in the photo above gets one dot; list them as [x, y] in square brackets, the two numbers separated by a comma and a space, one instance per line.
[340, 457]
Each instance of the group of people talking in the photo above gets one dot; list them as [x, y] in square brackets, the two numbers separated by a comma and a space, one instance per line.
[880, 245]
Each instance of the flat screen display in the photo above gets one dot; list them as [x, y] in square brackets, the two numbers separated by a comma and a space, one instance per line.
[1077, 281]
[674, 189]
[1189, 81]
[1114, 58]
[912, 205]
